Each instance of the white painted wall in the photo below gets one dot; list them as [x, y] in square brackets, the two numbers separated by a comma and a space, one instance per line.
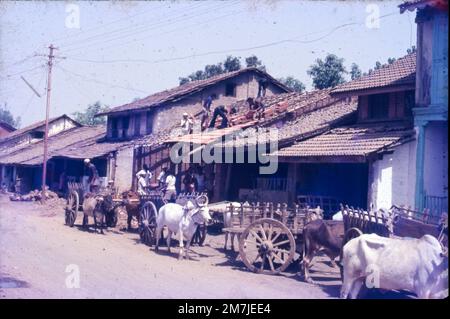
[392, 179]
[124, 169]
[436, 159]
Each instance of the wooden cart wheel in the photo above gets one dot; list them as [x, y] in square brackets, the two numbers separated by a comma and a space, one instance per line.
[73, 203]
[267, 246]
[199, 236]
[350, 234]
[147, 223]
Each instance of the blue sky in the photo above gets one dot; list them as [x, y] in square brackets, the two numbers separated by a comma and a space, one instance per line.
[125, 50]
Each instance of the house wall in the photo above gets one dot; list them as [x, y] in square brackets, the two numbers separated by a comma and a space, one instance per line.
[400, 106]
[54, 128]
[392, 179]
[124, 169]
[424, 59]
[436, 159]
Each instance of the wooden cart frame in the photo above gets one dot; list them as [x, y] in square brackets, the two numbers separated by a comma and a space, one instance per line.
[399, 222]
[269, 235]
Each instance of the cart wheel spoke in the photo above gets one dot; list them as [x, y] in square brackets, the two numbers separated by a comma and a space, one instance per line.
[281, 243]
[263, 232]
[256, 236]
[270, 263]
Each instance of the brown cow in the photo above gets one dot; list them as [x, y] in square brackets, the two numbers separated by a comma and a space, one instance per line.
[321, 235]
[132, 205]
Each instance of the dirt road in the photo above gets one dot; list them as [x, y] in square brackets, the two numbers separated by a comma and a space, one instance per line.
[36, 249]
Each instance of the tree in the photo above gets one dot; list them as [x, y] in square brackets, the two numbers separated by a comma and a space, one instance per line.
[253, 62]
[411, 49]
[378, 65]
[328, 72]
[355, 71]
[293, 83]
[230, 64]
[87, 117]
[391, 60]
[7, 117]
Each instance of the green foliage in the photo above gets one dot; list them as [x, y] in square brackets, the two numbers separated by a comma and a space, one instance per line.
[7, 117]
[355, 71]
[230, 64]
[293, 83]
[253, 62]
[87, 117]
[328, 72]
[411, 49]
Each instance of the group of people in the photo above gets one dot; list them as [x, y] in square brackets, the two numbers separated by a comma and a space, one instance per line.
[255, 107]
[166, 182]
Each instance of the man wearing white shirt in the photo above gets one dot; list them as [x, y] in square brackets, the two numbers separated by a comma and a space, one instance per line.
[141, 183]
[171, 191]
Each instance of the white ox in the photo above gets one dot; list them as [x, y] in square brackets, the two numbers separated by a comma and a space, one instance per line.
[415, 265]
[182, 221]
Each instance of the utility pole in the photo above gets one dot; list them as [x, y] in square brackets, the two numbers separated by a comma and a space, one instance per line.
[49, 88]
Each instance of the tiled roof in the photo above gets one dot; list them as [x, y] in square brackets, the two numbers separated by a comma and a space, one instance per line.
[33, 127]
[420, 4]
[187, 89]
[76, 143]
[6, 126]
[312, 113]
[356, 140]
[401, 72]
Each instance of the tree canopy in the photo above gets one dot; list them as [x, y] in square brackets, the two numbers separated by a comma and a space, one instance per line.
[293, 83]
[355, 71]
[328, 72]
[7, 117]
[230, 64]
[87, 117]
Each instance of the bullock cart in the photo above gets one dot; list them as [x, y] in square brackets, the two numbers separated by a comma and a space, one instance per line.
[150, 204]
[398, 222]
[74, 203]
[269, 235]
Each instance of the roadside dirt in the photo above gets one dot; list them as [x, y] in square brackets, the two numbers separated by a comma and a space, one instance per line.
[36, 248]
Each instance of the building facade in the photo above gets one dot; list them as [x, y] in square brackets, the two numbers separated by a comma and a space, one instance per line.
[431, 111]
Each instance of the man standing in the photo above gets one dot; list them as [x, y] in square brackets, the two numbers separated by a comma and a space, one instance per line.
[170, 193]
[262, 86]
[147, 174]
[142, 184]
[161, 179]
[206, 111]
[93, 181]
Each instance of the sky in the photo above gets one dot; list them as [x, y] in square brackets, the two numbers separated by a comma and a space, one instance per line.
[114, 52]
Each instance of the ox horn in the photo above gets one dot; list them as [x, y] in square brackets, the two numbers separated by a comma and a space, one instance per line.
[202, 200]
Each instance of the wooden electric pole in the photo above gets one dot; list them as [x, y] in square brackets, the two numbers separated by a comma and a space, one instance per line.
[49, 88]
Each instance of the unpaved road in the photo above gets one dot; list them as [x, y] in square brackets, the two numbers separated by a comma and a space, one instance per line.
[36, 249]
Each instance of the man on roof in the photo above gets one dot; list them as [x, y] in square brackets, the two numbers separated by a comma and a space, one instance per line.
[222, 112]
[187, 124]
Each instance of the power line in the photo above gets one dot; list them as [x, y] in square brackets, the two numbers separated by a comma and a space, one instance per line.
[103, 25]
[136, 29]
[101, 82]
[294, 40]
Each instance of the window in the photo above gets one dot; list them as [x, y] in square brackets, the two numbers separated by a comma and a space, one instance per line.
[125, 125]
[137, 125]
[149, 122]
[230, 89]
[378, 106]
[114, 130]
[37, 134]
